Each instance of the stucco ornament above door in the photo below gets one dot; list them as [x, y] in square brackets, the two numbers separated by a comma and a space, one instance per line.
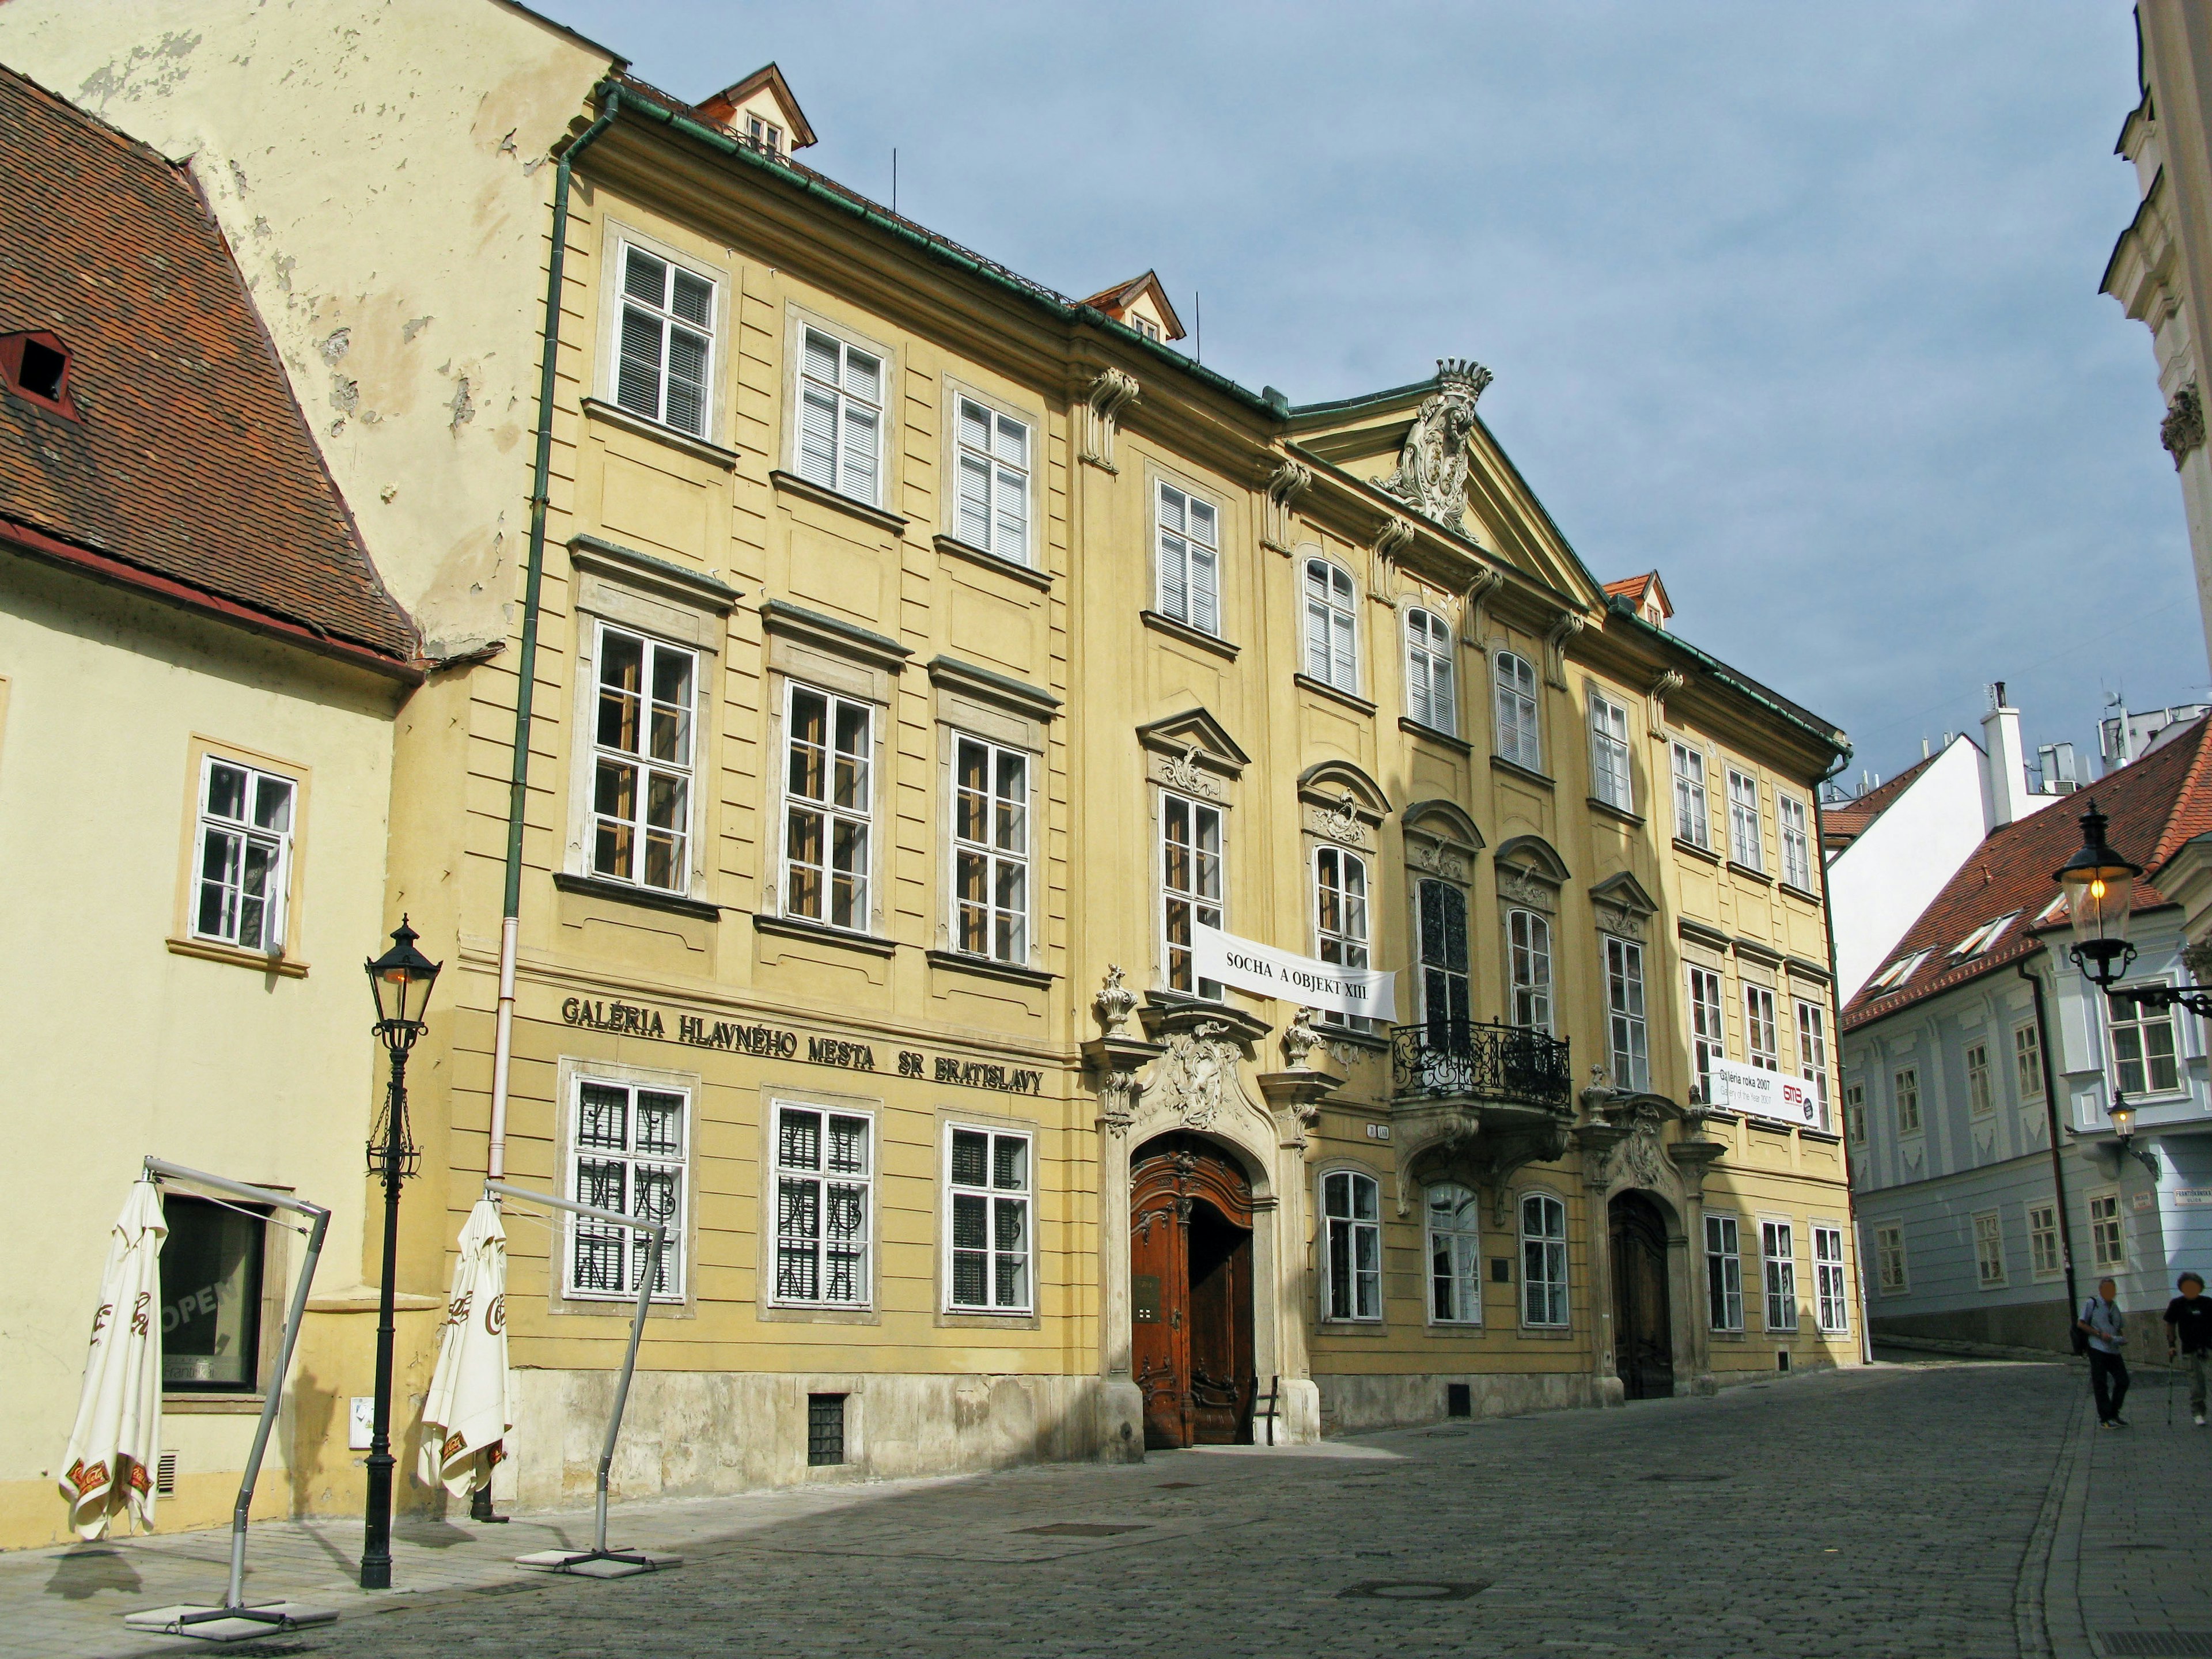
[1432, 475]
[1197, 1076]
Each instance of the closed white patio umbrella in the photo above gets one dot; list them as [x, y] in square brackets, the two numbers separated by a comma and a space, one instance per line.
[468, 1411]
[116, 1442]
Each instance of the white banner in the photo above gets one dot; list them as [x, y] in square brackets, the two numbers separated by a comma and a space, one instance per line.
[1307, 981]
[1762, 1093]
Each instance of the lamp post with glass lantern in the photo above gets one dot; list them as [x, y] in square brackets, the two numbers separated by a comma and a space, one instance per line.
[400, 980]
[2100, 888]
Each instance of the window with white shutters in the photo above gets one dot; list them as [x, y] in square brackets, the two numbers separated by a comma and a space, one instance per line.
[629, 1144]
[1188, 534]
[824, 1193]
[992, 508]
[1610, 779]
[1332, 613]
[1430, 699]
[1543, 1260]
[828, 808]
[1454, 1256]
[242, 860]
[668, 345]
[841, 417]
[1518, 739]
[991, 850]
[642, 767]
[988, 1189]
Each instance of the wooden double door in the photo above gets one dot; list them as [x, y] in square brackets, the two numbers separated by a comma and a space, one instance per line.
[1643, 1311]
[1190, 1282]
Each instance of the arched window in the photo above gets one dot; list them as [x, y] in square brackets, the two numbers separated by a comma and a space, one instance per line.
[1518, 739]
[1543, 1259]
[1430, 700]
[1454, 1256]
[1332, 612]
[1351, 1245]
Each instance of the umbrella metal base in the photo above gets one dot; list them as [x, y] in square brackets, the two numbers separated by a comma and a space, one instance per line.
[229, 1624]
[599, 1564]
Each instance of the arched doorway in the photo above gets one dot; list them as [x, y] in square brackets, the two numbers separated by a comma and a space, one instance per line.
[1642, 1321]
[1190, 1293]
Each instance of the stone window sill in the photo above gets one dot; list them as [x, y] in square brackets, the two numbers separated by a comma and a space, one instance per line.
[1706, 853]
[230, 956]
[1750, 874]
[622, 892]
[1407, 724]
[187, 1403]
[989, 560]
[1797, 892]
[799, 927]
[1335, 694]
[1500, 763]
[615, 415]
[790, 483]
[986, 967]
[1188, 635]
[1619, 813]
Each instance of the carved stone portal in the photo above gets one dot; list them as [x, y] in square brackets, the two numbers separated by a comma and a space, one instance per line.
[1432, 475]
[1196, 1077]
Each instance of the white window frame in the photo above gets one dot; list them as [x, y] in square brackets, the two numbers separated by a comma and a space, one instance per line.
[1518, 710]
[1797, 841]
[1003, 855]
[1746, 832]
[830, 814]
[244, 836]
[1987, 1229]
[1892, 1270]
[1777, 1272]
[1187, 563]
[1343, 915]
[1612, 774]
[1724, 1271]
[2046, 1250]
[1981, 1087]
[1005, 480]
[631, 1249]
[1708, 1024]
[1762, 1031]
[1693, 816]
[998, 1199]
[1628, 1035]
[1431, 695]
[821, 1178]
[1545, 1250]
[763, 134]
[1211, 911]
[2108, 1230]
[1342, 1236]
[1855, 1119]
[666, 321]
[1455, 1245]
[677, 770]
[857, 458]
[1812, 1021]
[2028, 1060]
[2132, 1019]
[1905, 1089]
[1831, 1299]
[1330, 617]
[1897, 972]
[1529, 969]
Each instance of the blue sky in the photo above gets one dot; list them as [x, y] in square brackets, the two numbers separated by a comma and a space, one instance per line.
[1798, 305]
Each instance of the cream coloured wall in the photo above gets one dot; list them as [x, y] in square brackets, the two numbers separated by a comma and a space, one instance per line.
[126, 1048]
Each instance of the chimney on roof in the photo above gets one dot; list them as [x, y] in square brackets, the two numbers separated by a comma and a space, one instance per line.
[2004, 763]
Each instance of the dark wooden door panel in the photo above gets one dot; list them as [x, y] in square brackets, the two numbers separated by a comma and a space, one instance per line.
[1190, 1280]
[1643, 1319]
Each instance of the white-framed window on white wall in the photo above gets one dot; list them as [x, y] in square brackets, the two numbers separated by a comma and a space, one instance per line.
[1989, 1251]
[1762, 1046]
[1777, 1250]
[828, 808]
[1352, 1268]
[1708, 1026]
[824, 1204]
[1431, 697]
[992, 508]
[990, 850]
[1612, 780]
[642, 742]
[1543, 1260]
[242, 857]
[2145, 1059]
[1746, 840]
[2108, 1242]
[841, 417]
[629, 1148]
[2043, 1244]
[1454, 1222]
[1190, 886]
[1906, 1084]
[1831, 1300]
[1981, 1092]
[1519, 740]
[1628, 1037]
[1723, 1273]
[1813, 1052]
[988, 1189]
[1528, 967]
[1797, 841]
[2028, 1061]
[667, 350]
[1188, 542]
[1891, 1276]
[1341, 914]
[1332, 625]
[1693, 821]
[1855, 1122]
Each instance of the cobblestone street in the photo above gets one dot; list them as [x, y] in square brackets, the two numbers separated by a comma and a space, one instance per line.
[1910, 1509]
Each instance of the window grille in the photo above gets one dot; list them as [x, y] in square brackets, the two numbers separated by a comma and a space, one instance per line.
[990, 849]
[1187, 549]
[244, 857]
[1519, 739]
[1332, 612]
[989, 1179]
[1353, 1269]
[826, 1430]
[642, 742]
[1543, 1260]
[841, 417]
[993, 505]
[631, 1145]
[828, 808]
[667, 343]
[1724, 1273]
[1430, 700]
[824, 1195]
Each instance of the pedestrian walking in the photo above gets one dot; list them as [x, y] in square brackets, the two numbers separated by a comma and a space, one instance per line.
[2188, 1337]
[2101, 1321]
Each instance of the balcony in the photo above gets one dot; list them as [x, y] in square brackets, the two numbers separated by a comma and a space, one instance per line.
[1460, 1060]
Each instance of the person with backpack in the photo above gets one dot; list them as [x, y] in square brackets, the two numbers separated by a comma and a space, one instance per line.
[2189, 1338]
[2101, 1321]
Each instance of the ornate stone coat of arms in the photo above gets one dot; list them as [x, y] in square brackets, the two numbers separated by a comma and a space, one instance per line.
[1432, 475]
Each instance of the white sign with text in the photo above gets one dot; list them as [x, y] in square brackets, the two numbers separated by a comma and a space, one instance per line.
[1761, 1093]
[1307, 981]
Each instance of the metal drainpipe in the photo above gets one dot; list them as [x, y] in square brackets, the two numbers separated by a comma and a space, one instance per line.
[534, 583]
[2057, 1152]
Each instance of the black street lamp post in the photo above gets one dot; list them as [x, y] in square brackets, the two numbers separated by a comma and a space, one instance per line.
[400, 980]
[2100, 887]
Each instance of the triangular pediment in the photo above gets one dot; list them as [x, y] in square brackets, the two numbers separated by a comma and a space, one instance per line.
[1624, 892]
[1196, 730]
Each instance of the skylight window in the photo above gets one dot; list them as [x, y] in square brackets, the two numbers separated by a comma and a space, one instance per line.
[2052, 913]
[1979, 942]
[1897, 972]
[35, 366]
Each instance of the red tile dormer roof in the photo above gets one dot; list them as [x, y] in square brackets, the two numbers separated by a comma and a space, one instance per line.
[1115, 301]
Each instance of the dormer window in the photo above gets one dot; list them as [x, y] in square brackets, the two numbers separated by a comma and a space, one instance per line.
[1146, 326]
[1897, 972]
[764, 135]
[35, 366]
[1979, 942]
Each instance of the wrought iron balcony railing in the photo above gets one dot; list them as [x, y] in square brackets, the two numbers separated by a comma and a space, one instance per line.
[1443, 1058]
